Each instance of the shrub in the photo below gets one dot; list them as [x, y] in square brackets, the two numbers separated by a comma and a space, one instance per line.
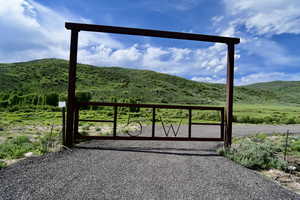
[48, 142]
[290, 121]
[4, 104]
[267, 119]
[2, 164]
[295, 146]
[254, 155]
[260, 137]
[52, 99]
[134, 101]
[83, 96]
[16, 147]
[13, 100]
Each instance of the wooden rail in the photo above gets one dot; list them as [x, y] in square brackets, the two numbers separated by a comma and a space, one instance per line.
[154, 107]
[150, 33]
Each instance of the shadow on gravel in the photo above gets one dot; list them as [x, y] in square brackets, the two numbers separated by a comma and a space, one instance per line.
[200, 152]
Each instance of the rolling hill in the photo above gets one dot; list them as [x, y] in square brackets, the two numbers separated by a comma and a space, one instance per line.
[107, 83]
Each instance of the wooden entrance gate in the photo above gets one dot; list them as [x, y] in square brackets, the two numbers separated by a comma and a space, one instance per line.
[154, 120]
[73, 106]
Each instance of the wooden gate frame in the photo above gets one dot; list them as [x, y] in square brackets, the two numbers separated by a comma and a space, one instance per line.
[76, 27]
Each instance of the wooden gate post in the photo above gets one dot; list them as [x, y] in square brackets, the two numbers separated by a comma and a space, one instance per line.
[229, 94]
[71, 104]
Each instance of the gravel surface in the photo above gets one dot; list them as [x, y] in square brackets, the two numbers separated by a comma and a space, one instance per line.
[137, 170]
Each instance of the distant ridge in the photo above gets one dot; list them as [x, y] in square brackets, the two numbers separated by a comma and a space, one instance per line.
[114, 83]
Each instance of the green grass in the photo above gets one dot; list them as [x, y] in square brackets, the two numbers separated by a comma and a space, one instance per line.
[16, 147]
[263, 151]
[266, 114]
[255, 156]
[27, 122]
[289, 90]
[255, 152]
[2, 164]
[120, 84]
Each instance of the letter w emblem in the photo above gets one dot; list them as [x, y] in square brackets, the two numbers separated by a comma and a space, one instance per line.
[167, 128]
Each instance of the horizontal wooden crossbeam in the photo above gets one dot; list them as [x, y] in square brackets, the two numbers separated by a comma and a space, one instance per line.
[149, 138]
[151, 33]
[150, 106]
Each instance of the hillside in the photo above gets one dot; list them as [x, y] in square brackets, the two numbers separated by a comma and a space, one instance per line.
[285, 90]
[104, 83]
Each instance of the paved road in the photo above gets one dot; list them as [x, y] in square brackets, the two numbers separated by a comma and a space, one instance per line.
[238, 130]
[136, 170]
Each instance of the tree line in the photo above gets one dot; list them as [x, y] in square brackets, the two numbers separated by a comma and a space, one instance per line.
[51, 99]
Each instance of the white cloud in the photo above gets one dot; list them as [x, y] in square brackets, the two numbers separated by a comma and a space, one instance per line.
[30, 30]
[272, 52]
[183, 5]
[178, 61]
[217, 19]
[251, 78]
[209, 79]
[255, 22]
[167, 5]
[266, 77]
[267, 16]
[131, 54]
[33, 31]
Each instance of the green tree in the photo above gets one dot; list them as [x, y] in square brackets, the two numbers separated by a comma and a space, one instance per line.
[51, 99]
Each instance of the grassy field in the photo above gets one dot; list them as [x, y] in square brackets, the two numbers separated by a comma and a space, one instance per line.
[34, 82]
[31, 121]
[38, 129]
[38, 121]
[266, 114]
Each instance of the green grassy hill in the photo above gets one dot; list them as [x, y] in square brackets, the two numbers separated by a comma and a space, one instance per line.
[285, 90]
[109, 83]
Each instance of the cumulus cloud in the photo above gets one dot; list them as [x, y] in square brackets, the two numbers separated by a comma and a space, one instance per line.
[30, 30]
[266, 77]
[271, 52]
[251, 78]
[209, 79]
[267, 16]
[172, 60]
[33, 31]
[166, 5]
[255, 22]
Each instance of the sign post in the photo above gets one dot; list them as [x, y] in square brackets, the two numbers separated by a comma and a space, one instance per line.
[62, 105]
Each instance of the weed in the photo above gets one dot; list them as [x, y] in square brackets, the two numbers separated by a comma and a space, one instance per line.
[295, 146]
[84, 133]
[254, 155]
[2, 164]
[87, 127]
[260, 137]
[16, 147]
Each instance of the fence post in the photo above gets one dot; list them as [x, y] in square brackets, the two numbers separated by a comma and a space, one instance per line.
[153, 122]
[190, 123]
[71, 89]
[115, 121]
[229, 93]
[76, 123]
[63, 130]
[222, 123]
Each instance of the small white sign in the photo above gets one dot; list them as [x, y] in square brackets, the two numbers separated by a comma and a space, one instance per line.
[61, 104]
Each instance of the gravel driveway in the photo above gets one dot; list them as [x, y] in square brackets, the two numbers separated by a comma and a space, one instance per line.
[137, 170]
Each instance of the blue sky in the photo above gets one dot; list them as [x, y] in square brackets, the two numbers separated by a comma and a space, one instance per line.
[269, 32]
